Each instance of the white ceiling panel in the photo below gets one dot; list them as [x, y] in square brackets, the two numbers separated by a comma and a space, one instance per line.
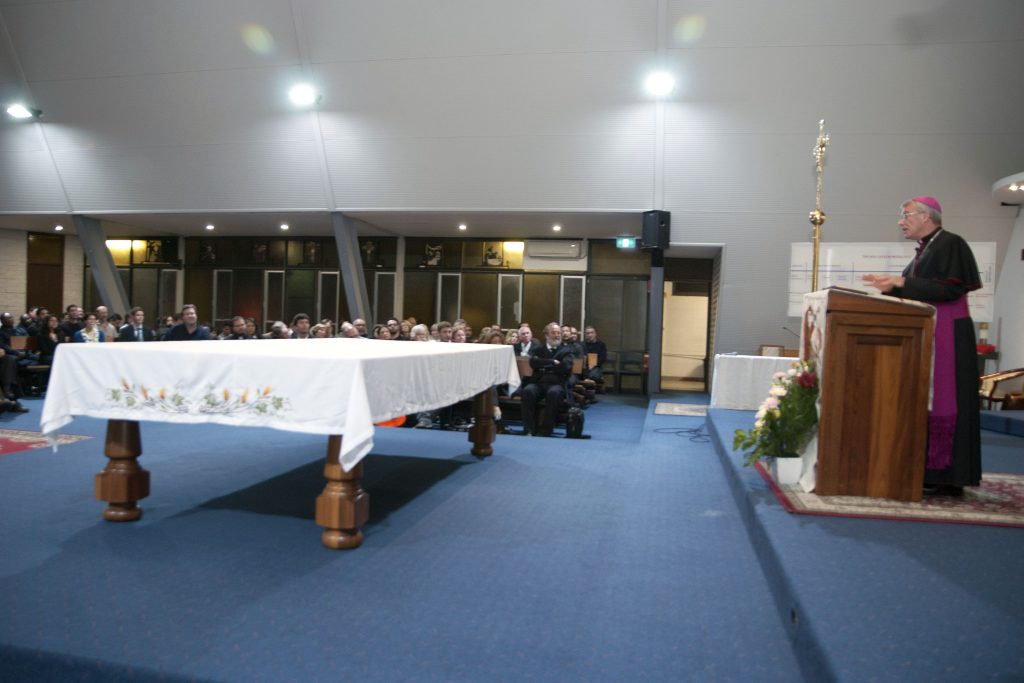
[558, 172]
[861, 89]
[761, 23]
[273, 175]
[568, 94]
[211, 107]
[97, 38]
[353, 30]
[28, 182]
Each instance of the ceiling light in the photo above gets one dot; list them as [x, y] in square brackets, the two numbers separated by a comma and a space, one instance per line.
[660, 83]
[462, 226]
[20, 111]
[284, 226]
[1014, 187]
[303, 95]
[58, 228]
[209, 226]
[556, 228]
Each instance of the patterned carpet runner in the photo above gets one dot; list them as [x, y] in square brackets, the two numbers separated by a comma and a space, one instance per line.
[999, 501]
[14, 440]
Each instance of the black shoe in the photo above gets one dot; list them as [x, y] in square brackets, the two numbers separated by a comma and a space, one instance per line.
[14, 406]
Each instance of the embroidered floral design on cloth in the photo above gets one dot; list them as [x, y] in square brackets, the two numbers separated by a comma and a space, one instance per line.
[214, 402]
[14, 440]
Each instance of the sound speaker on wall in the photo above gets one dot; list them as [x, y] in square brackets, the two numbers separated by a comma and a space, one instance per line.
[656, 228]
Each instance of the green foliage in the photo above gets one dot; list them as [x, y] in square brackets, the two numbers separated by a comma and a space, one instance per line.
[786, 420]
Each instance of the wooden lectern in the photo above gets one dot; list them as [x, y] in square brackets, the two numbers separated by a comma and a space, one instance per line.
[875, 363]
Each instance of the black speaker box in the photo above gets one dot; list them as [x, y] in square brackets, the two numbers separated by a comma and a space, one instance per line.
[656, 228]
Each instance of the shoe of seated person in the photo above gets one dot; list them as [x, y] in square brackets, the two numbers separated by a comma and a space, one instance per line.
[12, 406]
[423, 423]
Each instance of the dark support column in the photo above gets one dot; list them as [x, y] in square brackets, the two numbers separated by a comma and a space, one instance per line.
[94, 243]
[351, 267]
[655, 312]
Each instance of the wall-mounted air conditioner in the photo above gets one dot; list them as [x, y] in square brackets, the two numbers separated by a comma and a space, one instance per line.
[555, 249]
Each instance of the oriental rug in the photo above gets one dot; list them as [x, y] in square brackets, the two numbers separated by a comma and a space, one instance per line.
[14, 440]
[684, 409]
[999, 501]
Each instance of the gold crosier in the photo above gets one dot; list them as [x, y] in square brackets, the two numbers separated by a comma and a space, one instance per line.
[817, 216]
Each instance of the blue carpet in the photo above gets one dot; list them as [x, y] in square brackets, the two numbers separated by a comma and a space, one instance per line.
[889, 601]
[619, 558]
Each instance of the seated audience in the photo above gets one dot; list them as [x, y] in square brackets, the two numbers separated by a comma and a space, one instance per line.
[349, 331]
[105, 323]
[319, 331]
[381, 332]
[47, 339]
[300, 326]
[419, 333]
[591, 344]
[239, 329]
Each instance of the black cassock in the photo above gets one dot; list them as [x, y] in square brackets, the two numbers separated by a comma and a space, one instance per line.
[941, 274]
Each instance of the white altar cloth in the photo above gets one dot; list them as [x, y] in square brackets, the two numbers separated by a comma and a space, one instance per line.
[314, 386]
[742, 382]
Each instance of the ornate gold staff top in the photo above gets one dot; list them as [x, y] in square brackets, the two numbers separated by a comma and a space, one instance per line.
[817, 217]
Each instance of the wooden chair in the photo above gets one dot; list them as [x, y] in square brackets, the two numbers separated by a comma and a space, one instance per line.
[995, 387]
[632, 364]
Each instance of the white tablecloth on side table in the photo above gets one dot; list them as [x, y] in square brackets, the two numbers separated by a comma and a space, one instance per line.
[742, 382]
[315, 386]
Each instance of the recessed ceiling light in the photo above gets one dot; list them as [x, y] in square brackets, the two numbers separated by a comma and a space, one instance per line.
[209, 226]
[20, 111]
[556, 228]
[284, 226]
[462, 226]
[58, 228]
[303, 95]
[1014, 187]
[660, 83]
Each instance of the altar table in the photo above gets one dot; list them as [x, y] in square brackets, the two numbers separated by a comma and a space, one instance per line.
[742, 382]
[335, 387]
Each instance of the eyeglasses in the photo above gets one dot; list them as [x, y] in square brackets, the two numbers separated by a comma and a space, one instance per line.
[907, 214]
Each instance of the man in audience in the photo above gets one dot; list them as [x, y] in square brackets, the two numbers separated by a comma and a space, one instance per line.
[552, 365]
[26, 327]
[527, 345]
[250, 328]
[278, 331]
[444, 331]
[134, 329]
[238, 329]
[395, 330]
[72, 322]
[349, 331]
[591, 344]
[189, 328]
[104, 324]
[360, 326]
[300, 326]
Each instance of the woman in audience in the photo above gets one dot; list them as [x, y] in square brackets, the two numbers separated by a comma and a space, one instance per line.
[90, 334]
[492, 337]
[319, 331]
[512, 337]
[381, 332]
[419, 333]
[406, 328]
[459, 335]
[49, 337]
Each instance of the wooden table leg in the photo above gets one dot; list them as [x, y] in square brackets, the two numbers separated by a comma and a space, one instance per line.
[483, 430]
[123, 483]
[343, 507]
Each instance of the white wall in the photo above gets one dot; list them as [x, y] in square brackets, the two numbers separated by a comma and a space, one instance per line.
[1008, 332]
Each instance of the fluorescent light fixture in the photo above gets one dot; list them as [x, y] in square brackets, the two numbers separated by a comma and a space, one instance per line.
[660, 83]
[462, 226]
[284, 226]
[20, 111]
[514, 247]
[303, 95]
[209, 226]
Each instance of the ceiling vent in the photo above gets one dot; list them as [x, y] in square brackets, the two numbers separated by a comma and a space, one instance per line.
[555, 249]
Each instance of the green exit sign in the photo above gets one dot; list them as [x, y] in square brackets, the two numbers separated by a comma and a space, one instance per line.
[625, 242]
